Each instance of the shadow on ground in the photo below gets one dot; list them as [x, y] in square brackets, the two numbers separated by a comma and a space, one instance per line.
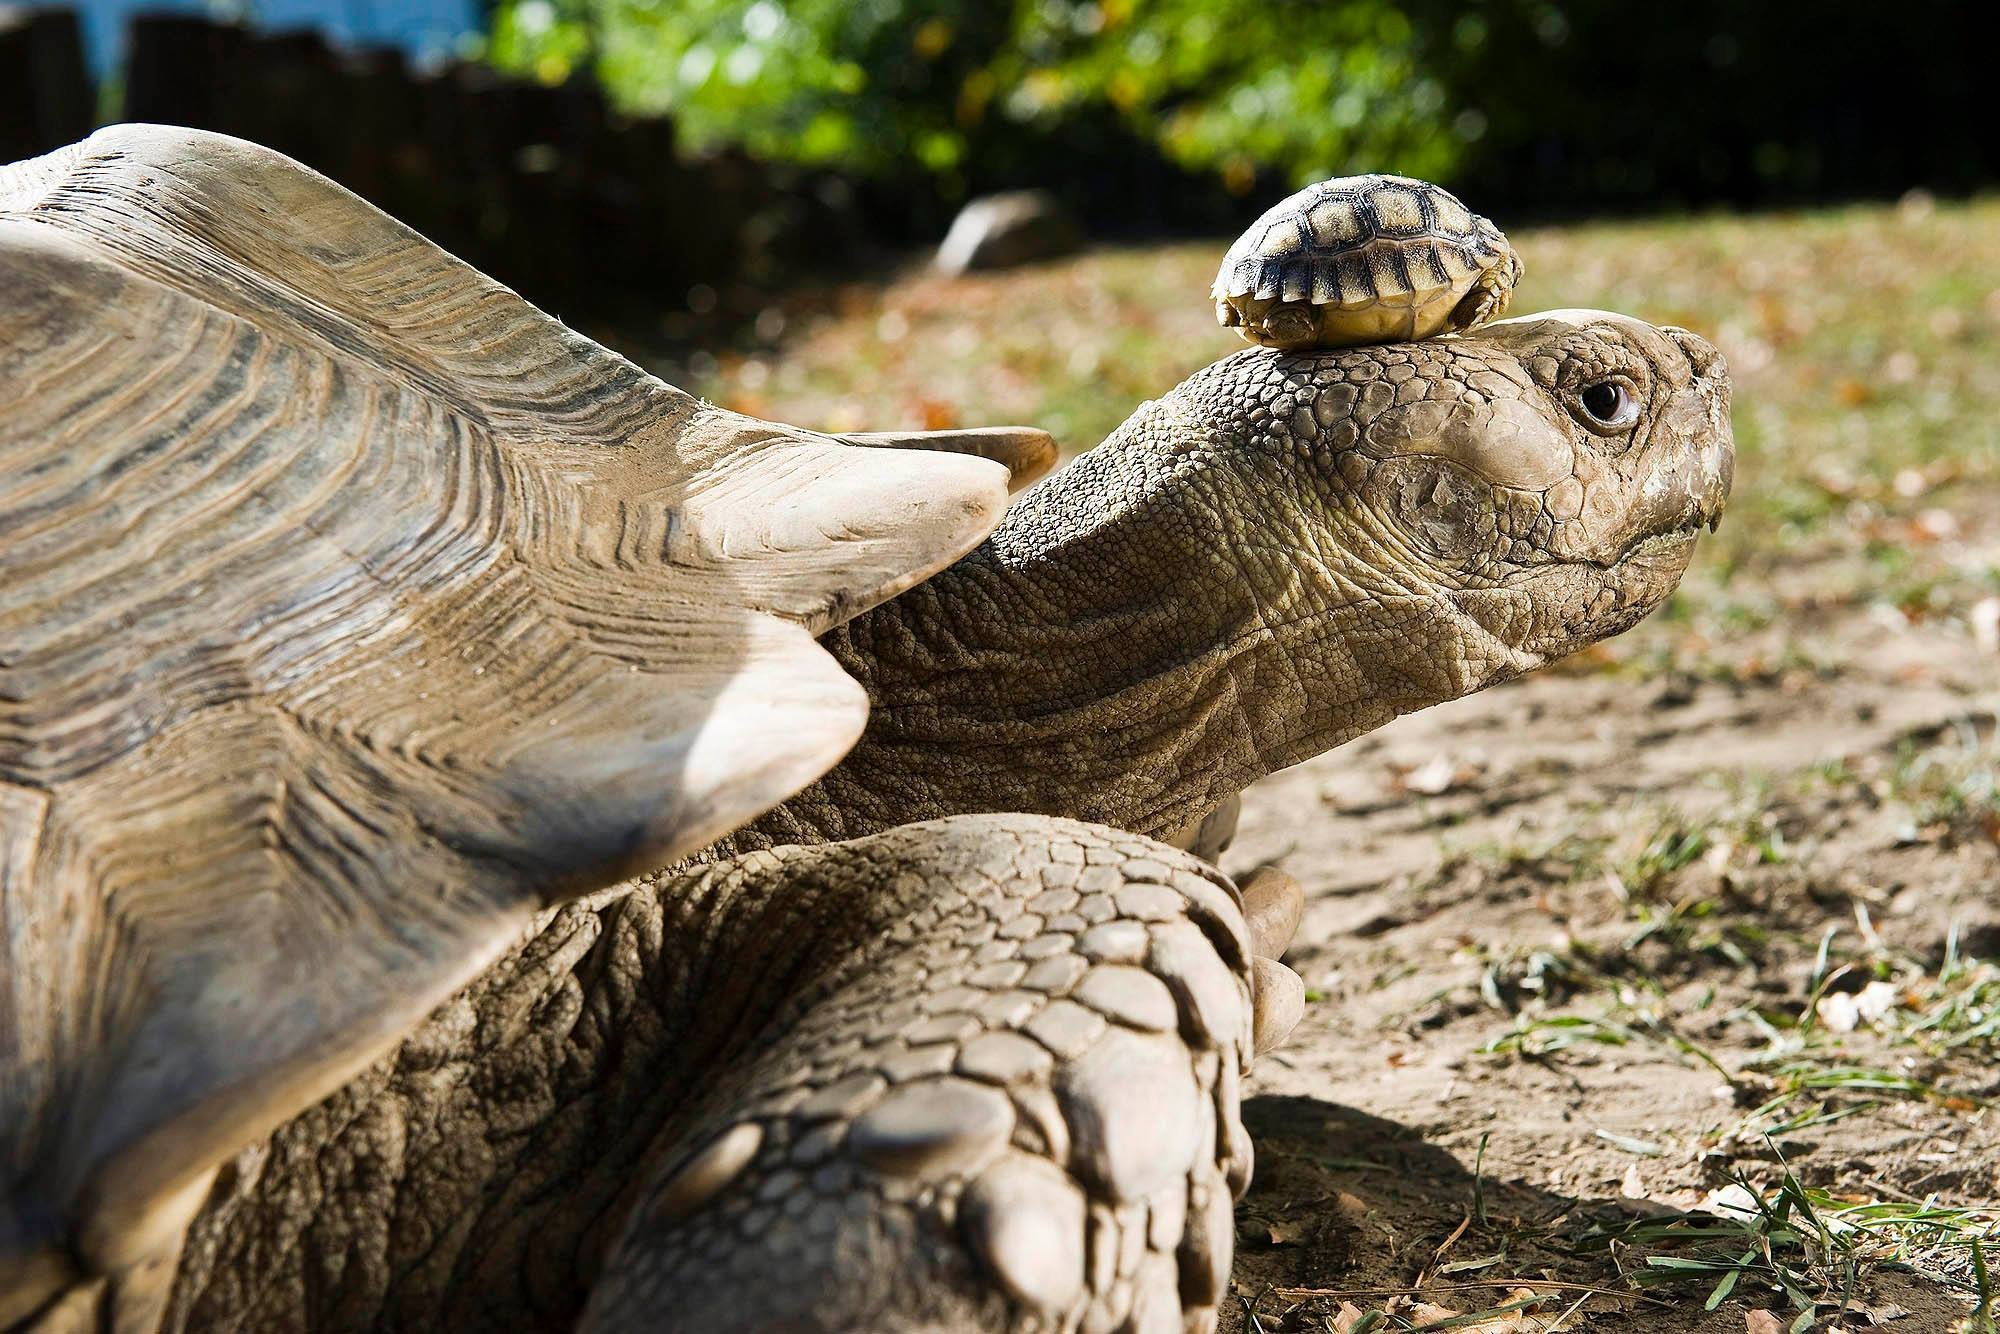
[1348, 1207]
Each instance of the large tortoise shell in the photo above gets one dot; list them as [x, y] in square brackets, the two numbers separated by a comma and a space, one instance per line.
[352, 611]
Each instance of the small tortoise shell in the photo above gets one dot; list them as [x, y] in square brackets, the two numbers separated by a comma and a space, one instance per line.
[1364, 259]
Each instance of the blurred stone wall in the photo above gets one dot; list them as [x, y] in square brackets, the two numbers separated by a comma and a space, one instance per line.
[548, 189]
[45, 95]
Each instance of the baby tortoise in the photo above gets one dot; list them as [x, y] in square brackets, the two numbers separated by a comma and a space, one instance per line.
[1364, 259]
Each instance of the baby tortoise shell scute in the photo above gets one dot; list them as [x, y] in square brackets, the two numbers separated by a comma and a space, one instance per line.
[1364, 259]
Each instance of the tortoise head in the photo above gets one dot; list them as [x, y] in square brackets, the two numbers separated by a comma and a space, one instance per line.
[1535, 485]
[1287, 550]
[1551, 481]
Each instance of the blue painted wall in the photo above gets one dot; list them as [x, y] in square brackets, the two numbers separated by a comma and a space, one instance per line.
[424, 28]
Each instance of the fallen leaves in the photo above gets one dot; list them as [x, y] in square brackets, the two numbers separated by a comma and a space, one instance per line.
[1351, 1319]
[1522, 1312]
[1762, 1322]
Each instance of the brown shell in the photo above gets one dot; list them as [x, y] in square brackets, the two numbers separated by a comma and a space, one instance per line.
[351, 611]
[1363, 259]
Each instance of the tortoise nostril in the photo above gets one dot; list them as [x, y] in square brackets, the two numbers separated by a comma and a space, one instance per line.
[1703, 358]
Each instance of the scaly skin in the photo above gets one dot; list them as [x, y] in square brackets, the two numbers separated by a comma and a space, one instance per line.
[1080, 995]
[1271, 560]
[1279, 555]
[1020, 1102]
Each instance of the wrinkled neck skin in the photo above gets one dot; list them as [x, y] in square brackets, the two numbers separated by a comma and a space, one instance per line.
[1144, 635]
[1284, 552]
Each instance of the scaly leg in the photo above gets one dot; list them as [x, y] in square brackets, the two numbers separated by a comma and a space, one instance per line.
[975, 1073]
[1009, 1102]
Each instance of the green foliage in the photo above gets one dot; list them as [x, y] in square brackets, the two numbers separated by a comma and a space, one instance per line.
[884, 86]
[535, 39]
[867, 84]
[1523, 105]
[1308, 90]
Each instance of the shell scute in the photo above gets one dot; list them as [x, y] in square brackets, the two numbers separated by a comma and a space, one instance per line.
[1453, 218]
[1336, 222]
[1397, 211]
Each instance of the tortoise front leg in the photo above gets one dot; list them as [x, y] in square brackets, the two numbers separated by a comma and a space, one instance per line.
[1010, 1102]
[675, 1055]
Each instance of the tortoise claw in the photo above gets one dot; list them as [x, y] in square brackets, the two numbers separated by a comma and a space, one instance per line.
[1008, 1101]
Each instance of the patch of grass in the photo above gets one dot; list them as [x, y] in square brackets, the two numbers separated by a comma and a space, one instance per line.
[1805, 1249]
[1692, 926]
[1564, 856]
[1807, 1076]
[1666, 848]
[1960, 1007]
[1810, 1255]
[1800, 1072]
[1664, 868]
[1407, 1310]
[1535, 1038]
[1511, 979]
[1950, 790]
[1810, 1075]
[1702, 885]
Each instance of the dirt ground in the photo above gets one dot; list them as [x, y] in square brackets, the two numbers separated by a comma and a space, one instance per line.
[1652, 992]
[1659, 858]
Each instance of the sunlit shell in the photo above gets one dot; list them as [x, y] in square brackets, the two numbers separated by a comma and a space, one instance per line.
[1364, 259]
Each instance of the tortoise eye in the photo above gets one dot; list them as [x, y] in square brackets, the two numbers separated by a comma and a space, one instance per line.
[1609, 403]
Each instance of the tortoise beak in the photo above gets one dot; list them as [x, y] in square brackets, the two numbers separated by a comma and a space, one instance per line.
[1694, 456]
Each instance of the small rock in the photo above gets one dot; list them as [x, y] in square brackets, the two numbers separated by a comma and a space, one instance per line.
[1985, 618]
[1003, 230]
[1838, 1012]
[1432, 777]
[1876, 1000]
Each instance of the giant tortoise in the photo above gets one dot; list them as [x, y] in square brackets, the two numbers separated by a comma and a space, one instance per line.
[363, 630]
